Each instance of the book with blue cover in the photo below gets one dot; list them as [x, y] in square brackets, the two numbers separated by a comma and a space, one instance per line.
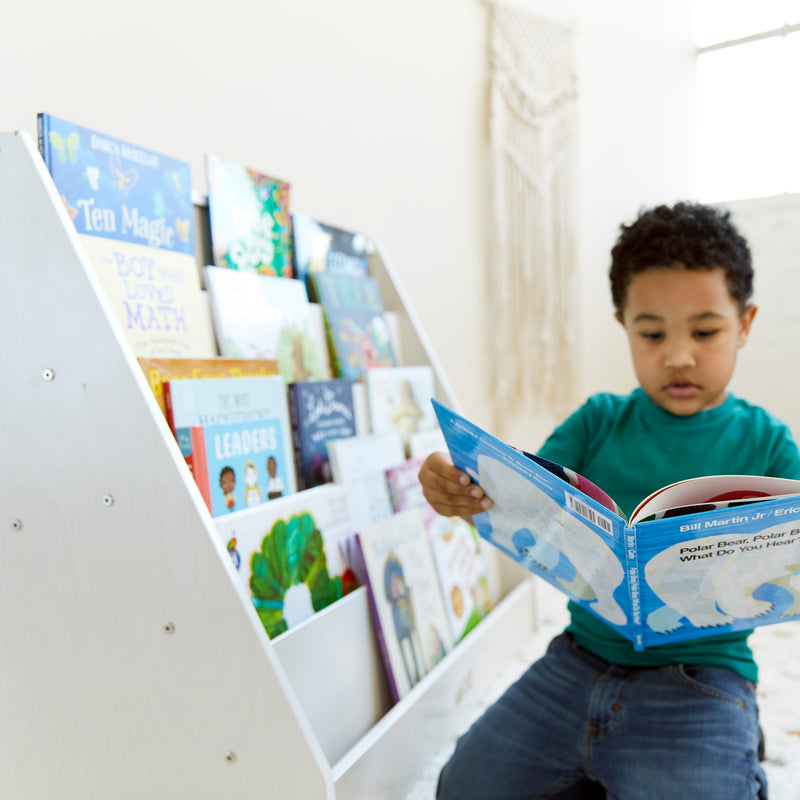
[319, 411]
[249, 218]
[133, 212]
[211, 401]
[700, 557]
[358, 334]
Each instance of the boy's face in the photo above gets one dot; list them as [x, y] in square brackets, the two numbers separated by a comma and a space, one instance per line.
[684, 331]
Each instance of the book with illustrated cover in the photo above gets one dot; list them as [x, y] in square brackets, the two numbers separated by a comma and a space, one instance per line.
[211, 401]
[405, 598]
[133, 212]
[359, 463]
[456, 551]
[358, 334]
[249, 219]
[241, 464]
[293, 555]
[159, 371]
[261, 316]
[700, 557]
[325, 248]
[400, 399]
[318, 411]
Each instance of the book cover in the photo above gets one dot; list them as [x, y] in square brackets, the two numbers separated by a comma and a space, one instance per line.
[703, 557]
[359, 463]
[159, 371]
[211, 401]
[133, 212]
[405, 598]
[237, 465]
[319, 411]
[456, 551]
[261, 316]
[251, 228]
[400, 399]
[318, 247]
[292, 555]
[358, 334]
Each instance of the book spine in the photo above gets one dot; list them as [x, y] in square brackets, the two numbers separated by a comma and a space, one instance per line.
[42, 128]
[297, 437]
[200, 464]
[373, 607]
[634, 588]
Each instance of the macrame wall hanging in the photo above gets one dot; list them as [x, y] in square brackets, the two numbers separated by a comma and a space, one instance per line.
[532, 311]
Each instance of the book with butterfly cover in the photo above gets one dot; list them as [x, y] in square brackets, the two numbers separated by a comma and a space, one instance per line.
[405, 598]
[700, 557]
[455, 544]
[358, 333]
[211, 401]
[134, 215]
[159, 371]
[249, 219]
[318, 247]
[319, 411]
[293, 555]
[261, 316]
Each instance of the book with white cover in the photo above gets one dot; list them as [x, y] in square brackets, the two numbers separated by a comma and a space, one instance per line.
[359, 463]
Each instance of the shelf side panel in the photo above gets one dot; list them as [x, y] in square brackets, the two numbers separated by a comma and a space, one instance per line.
[131, 662]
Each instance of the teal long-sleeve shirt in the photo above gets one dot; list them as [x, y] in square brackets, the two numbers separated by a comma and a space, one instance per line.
[630, 447]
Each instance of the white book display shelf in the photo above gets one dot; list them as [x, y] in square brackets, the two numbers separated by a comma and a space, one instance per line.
[132, 664]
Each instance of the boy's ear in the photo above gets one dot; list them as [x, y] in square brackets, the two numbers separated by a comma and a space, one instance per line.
[745, 321]
[618, 318]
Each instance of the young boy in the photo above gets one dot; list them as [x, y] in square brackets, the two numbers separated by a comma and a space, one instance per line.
[594, 718]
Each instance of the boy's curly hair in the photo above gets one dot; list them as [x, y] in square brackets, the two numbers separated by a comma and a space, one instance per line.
[689, 235]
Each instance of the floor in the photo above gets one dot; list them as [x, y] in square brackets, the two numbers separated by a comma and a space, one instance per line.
[777, 650]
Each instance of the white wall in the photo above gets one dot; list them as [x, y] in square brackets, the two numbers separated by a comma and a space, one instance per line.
[377, 115]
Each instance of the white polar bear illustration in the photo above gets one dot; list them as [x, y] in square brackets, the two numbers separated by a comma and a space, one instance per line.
[525, 520]
[716, 587]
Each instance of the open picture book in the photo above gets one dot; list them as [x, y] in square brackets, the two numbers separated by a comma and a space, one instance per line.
[697, 558]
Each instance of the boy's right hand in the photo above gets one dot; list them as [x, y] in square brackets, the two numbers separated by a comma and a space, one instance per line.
[450, 491]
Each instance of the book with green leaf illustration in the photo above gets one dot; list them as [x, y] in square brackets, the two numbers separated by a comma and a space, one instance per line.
[700, 557]
[293, 555]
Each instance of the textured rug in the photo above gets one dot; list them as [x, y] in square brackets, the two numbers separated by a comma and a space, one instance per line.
[777, 651]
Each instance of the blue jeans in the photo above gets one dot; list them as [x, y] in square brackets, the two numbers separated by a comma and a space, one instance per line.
[575, 726]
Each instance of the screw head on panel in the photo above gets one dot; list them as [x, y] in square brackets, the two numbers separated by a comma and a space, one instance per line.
[230, 757]
[169, 627]
[16, 524]
[48, 374]
[108, 500]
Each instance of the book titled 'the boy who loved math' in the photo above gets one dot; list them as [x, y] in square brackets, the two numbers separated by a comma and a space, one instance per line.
[133, 212]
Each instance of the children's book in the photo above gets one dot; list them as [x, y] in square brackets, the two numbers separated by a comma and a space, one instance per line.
[358, 334]
[249, 220]
[319, 411]
[359, 463]
[701, 557]
[261, 316]
[399, 399]
[423, 443]
[160, 370]
[456, 551]
[211, 401]
[241, 464]
[405, 598]
[293, 555]
[133, 212]
[324, 248]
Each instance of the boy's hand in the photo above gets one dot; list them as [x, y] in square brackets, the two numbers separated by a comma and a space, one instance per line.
[450, 491]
